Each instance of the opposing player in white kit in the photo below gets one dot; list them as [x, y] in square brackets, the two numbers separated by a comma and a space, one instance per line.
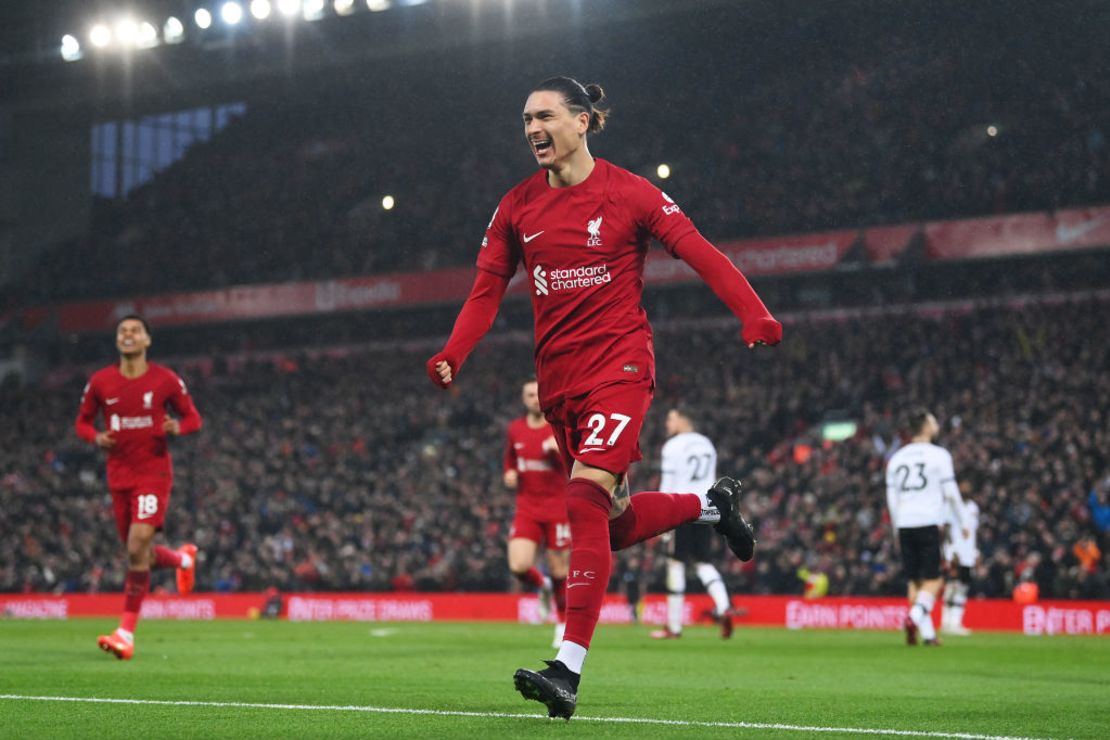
[689, 463]
[920, 489]
[961, 554]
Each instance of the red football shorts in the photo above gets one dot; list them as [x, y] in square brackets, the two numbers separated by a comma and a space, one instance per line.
[602, 428]
[145, 503]
[552, 530]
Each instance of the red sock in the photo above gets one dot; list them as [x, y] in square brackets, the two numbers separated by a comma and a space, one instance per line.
[164, 557]
[588, 507]
[649, 514]
[531, 577]
[134, 590]
[559, 591]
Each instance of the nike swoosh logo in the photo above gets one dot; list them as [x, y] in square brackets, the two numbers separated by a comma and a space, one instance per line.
[528, 238]
[110, 401]
[590, 449]
[576, 585]
[1067, 234]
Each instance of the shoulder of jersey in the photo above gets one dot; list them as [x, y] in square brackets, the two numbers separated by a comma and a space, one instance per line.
[103, 373]
[530, 187]
[701, 438]
[163, 371]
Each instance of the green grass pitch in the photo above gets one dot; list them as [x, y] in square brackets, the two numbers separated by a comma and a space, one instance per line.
[762, 683]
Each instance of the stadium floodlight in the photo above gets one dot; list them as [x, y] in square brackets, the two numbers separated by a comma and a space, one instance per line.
[127, 32]
[100, 36]
[147, 37]
[174, 31]
[992, 130]
[231, 13]
[344, 7]
[203, 18]
[70, 48]
[313, 10]
[376, 5]
[260, 9]
[289, 8]
[388, 202]
[663, 171]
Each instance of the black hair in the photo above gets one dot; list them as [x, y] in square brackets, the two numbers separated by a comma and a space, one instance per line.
[134, 317]
[915, 420]
[579, 97]
[682, 410]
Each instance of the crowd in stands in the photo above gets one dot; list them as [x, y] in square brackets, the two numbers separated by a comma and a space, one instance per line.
[346, 470]
[813, 120]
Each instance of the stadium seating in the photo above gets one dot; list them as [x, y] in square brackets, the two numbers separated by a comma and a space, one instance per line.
[344, 469]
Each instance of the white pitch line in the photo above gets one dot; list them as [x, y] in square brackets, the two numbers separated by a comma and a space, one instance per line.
[505, 715]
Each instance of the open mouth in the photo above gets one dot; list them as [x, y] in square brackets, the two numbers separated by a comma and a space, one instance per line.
[541, 145]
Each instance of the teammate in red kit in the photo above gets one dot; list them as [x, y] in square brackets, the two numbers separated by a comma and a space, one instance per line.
[581, 227]
[534, 469]
[133, 396]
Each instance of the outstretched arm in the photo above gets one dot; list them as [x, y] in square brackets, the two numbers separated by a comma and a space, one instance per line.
[730, 285]
[475, 319]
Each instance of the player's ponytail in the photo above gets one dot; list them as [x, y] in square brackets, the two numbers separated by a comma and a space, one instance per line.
[579, 98]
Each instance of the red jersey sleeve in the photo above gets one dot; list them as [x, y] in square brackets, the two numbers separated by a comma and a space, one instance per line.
[658, 214]
[500, 252]
[509, 459]
[497, 263]
[182, 403]
[86, 414]
[661, 216]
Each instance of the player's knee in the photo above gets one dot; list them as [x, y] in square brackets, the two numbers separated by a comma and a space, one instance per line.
[140, 552]
[585, 500]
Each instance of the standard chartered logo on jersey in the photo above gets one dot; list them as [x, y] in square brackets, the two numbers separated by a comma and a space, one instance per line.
[571, 278]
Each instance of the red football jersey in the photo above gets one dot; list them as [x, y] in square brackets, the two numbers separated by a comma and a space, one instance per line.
[540, 473]
[134, 408]
[583, 250]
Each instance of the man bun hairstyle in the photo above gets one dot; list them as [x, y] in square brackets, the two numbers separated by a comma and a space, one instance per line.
[579, 98]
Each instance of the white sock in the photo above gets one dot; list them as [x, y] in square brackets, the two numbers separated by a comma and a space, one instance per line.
[675, 603]
[957, 619]
[959, 601]
[921, 612]
[186, 561]
[125, 634]
[572, 655]
[714, 586]
[710, 514]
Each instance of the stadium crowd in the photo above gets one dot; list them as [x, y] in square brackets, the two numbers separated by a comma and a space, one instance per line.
[888, 126]
[344, 469]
